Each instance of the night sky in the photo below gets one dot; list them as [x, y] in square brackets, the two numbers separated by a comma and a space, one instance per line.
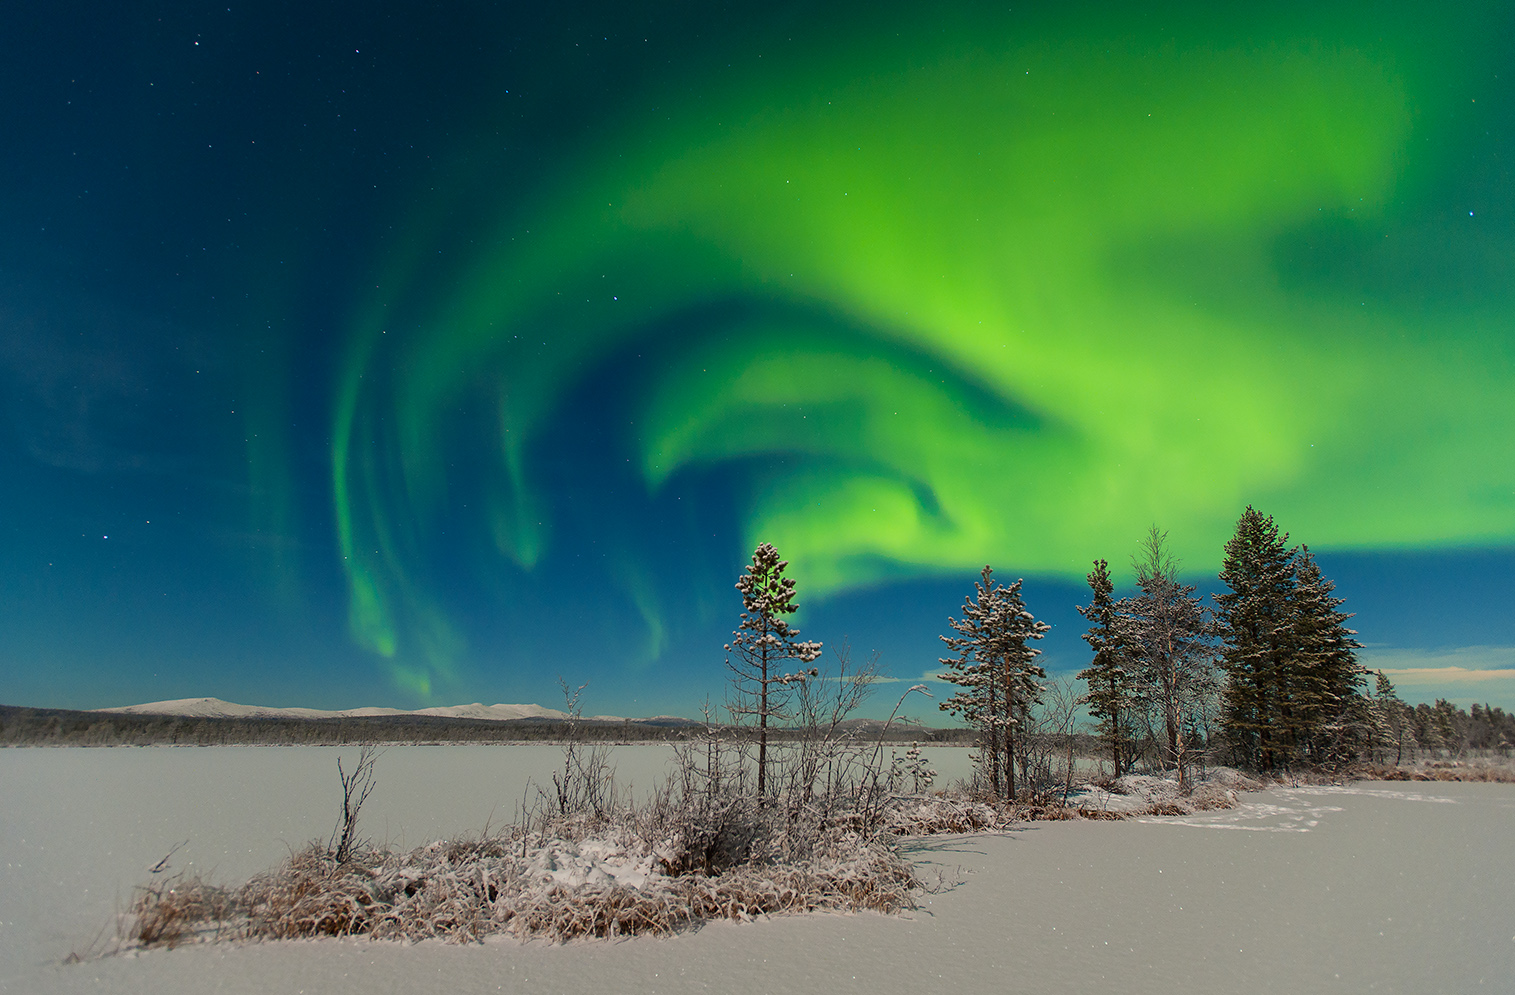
[411, 353]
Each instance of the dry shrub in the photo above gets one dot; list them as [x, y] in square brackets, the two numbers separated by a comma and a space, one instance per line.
[875, 879]
[1460, 771]
[948, 814]
[311, 895]
[1231, 779]
[709, 834]
[181, 908]
[1308, 776]
[1167, 808]
[563, 914]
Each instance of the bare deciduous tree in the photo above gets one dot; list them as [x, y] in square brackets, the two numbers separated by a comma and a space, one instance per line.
[1172, 640]
[356, 787]
[586, 782]
[822, 704]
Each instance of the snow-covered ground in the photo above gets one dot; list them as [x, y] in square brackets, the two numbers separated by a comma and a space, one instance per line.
[1370, 887]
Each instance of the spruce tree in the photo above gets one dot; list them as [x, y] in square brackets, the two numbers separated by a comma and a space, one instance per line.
[1447, 726]
[1393, 720]
[997, 671]
[1253, 619]
[1325, 678]
[761, 644]
[1108, 675]
[972, 669]
[1293, 690]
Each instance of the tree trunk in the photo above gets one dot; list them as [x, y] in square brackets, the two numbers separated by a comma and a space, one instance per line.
[1172, 724]
[763, 727]
[1115, 730]
[1009, 762]
[1122, 755]
[1009, 737]
[989, 738]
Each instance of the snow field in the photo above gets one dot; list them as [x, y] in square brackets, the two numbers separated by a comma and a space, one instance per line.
[1369, 887]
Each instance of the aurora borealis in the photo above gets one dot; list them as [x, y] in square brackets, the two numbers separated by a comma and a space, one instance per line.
[522, 328]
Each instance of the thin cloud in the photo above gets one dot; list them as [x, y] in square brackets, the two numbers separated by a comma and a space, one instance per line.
[875, 679]
[1459, 664]
[1445, 675]
[1464, 675]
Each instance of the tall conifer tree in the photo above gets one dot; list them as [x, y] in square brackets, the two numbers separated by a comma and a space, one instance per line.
[1328, 681]
[1108, 675]
[1254, 620]
[1294, 687]
[1393, 720]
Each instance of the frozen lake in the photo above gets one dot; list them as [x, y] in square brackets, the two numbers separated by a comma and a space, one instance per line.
[1390, 887]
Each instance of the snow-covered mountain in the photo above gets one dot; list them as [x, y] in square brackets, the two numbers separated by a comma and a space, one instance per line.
[215, 707]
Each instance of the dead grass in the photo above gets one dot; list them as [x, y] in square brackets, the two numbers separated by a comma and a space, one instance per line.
[539, 887]
[179, 909]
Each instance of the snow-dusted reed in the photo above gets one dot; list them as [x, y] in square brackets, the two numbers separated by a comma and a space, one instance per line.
[606, 878]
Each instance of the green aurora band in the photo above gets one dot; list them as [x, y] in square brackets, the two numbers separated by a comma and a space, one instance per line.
[1007, 290]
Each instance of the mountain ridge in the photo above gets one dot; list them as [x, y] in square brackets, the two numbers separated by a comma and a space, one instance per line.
[217, 708]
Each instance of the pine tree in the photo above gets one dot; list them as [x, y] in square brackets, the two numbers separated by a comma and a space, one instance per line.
[1252, 620]
[761, 644]
[997, 670]
[1108, 676]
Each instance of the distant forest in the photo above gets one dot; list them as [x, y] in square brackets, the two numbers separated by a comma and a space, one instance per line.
[1446, 728]
[62, 727]
[1439, 729]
